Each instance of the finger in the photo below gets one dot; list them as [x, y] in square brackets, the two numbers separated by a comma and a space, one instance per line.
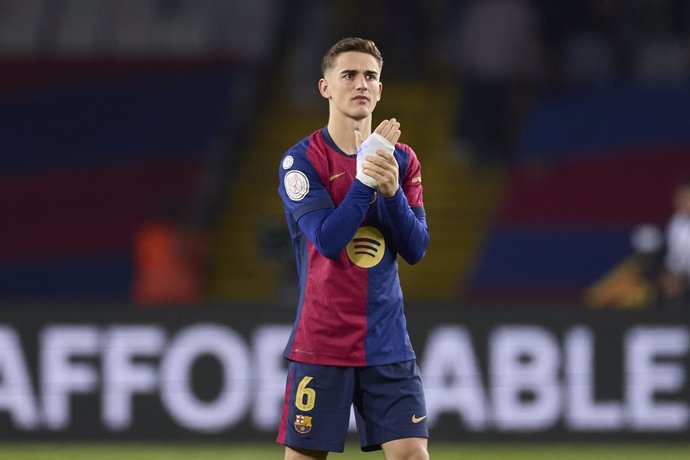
[373, 171]
[382, 155]
[389, 128]
[395, 135]
[385, 129]
[378, 159]
[387, 157]
[358, 139]
[381, 126]
[383, 172]
[376, 172]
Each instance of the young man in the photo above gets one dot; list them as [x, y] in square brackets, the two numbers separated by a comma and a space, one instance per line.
[351, 208]
[675, 280]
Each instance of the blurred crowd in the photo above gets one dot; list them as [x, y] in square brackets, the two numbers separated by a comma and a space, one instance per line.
[504, 52]
[657, 274]
[498, 53]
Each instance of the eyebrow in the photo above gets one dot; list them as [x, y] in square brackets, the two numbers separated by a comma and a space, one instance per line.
[366, 72]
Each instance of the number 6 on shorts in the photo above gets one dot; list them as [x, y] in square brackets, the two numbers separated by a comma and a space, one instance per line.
[306, 397]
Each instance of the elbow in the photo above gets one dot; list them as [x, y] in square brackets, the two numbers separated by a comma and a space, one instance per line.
[416, 255]
[328, 251]
[326, 246]
[415, 258]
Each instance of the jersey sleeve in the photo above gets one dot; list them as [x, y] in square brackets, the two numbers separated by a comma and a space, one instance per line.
[412, 180]
[300, 187]
[406, 212]
[310, 205]
[330, 230]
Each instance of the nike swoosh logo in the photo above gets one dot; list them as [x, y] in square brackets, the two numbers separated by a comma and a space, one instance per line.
[335, 176]
[416, 419]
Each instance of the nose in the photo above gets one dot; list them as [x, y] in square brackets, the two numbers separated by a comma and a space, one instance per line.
[361, 82]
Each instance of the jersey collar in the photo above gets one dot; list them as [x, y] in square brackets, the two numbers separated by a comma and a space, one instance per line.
[329, 140]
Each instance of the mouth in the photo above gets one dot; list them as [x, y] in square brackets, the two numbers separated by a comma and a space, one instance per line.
[360, 98]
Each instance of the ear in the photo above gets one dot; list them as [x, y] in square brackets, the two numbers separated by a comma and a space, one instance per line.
[323, 88]
[378, 98]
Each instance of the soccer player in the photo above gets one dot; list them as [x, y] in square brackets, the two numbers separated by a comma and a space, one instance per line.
[353, 203]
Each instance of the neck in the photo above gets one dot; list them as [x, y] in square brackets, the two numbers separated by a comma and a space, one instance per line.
[342, 131]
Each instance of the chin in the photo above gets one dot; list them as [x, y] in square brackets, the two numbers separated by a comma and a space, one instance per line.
[359, 114]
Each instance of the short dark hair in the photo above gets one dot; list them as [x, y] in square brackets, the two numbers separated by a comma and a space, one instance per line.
[361, 45]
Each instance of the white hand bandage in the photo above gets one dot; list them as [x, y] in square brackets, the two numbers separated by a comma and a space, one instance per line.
[369, 147]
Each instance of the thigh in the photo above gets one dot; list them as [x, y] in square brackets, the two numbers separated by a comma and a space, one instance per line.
[316, 409]
[389, 404]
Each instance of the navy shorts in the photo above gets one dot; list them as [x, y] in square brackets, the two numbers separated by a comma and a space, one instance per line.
[388, 401]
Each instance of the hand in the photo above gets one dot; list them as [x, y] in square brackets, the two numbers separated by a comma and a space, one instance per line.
[383, 168]
[390, 130]
[376, 165]
[363, 178]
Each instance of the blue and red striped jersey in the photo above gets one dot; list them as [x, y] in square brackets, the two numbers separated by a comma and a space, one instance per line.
[346, 240]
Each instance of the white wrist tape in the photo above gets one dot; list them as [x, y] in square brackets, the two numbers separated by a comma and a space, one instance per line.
[369, 147]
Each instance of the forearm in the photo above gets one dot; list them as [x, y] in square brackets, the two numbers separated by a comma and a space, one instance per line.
[410, 233]
[329, 230]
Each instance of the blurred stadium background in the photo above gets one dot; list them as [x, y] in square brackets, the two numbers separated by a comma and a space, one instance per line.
[146, 277]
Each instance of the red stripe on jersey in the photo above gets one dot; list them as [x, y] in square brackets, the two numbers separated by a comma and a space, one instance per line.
[412, 181]
[335, 299]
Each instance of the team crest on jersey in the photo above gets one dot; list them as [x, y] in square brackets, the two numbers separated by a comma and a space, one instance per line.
[303, 424]
[288, 161]
[296, 185]
[367, 247]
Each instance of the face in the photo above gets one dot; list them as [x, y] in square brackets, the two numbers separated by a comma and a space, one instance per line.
[352, 85]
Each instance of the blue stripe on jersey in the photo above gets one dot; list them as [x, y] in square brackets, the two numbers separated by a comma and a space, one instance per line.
[323, 203]
[388, 317]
